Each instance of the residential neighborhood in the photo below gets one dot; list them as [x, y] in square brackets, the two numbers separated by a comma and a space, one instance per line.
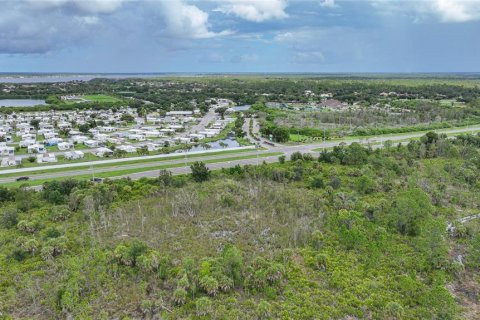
[43, 136]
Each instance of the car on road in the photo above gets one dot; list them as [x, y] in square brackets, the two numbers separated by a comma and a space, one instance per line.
[22, 178]
[96, 180]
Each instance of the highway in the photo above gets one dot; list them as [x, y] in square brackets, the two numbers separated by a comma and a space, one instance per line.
[287, 150]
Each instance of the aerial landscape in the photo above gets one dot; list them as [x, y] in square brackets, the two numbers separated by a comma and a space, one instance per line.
[240, 159]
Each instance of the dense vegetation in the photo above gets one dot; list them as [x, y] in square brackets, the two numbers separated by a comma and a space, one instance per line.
[356, 233]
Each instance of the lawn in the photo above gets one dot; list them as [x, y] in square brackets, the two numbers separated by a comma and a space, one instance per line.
[101, 98]
[89, 164]
[123, 172]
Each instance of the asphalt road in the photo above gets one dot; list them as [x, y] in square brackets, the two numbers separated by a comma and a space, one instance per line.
[285, 149]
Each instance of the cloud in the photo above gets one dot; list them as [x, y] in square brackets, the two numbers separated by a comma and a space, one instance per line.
[328, 4]
[83, 6]
[254, 10]
[456, 10]
[446, 11]
[187, 21]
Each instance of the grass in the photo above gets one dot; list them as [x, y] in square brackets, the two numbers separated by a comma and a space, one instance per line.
[88, 165]
[118, 173]
[101, 98]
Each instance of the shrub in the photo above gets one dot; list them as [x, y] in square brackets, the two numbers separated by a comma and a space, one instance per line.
[200, 172]
[203, 306]
[180, 296]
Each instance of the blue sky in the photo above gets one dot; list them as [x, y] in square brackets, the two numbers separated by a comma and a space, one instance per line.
[240, 36]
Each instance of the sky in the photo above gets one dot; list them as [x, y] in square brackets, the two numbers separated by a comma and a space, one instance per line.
[239, 36]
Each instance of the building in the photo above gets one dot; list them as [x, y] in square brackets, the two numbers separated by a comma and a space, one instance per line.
[74, 155]
[102, 152]
[46, 158]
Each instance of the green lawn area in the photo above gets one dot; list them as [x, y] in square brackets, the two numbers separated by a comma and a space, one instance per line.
[123, 172]
[89, 164]
[101, 98]
[95, 98]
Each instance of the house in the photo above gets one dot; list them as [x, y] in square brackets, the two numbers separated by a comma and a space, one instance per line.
[6, 150]
[175, 127]
[53, 141]
[46, 158]
[74, 155]
[153, 147]
[94, 131]
[64, 145]
[72, 133]
[10, 161]
[152, 134]
[179, 113]
[167, 131]
[137, 137]
[197, 136]
[27, 143]
[36, 148]
[91, 143]
[101, 137]
[127, 148]
[79, 139]
[107, 129]
[183, 140]
[102, 152]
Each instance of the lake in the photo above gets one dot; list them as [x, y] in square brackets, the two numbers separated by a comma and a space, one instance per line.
[21, 102]
[230, 143]
[242, 108]
[57, 77]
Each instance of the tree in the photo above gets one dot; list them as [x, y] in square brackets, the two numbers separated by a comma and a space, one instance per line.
[143, 151]
[365, 184]
[118, 153]
[200, 171]
[410, 210]
[203, 306]
[233, 262]
[221, 111]
[280, 134]
[127, 117]
[35, 123]
[84, 128]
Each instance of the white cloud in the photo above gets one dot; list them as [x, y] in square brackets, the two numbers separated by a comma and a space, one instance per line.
[447, 11]
[187, 21]
[84, 6]
[328, 3]
[456, 10]
[254, 10]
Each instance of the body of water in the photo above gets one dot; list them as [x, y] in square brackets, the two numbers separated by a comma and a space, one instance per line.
[230, 142]
[54, 77]
[21, 102]
[241, 108]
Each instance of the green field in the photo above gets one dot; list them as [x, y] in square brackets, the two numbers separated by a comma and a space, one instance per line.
[122, 172]
[101, 98]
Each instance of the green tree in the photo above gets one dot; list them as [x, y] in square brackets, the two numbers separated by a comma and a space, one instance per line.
[410, 210]
[280, 134]
[200, 172]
